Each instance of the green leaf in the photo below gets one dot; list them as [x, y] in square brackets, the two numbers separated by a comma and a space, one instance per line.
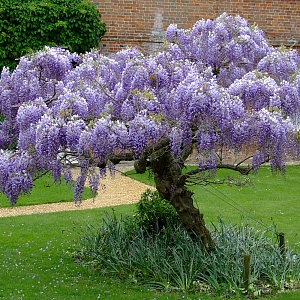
[31, 24]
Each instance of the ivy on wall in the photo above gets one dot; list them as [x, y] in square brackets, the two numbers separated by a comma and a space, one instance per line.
[29, 25]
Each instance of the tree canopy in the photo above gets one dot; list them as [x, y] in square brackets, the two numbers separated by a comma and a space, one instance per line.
[215, 88]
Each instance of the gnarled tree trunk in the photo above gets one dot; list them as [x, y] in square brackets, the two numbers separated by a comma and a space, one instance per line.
[167, 176]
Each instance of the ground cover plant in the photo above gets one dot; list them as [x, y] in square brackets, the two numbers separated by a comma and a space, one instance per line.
[47, 191]
[217, 88]
[152, 249]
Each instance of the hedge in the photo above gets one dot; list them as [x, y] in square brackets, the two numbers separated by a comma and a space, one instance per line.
[28, 25]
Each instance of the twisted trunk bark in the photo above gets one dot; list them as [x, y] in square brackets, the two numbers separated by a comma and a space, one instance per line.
[167, 176]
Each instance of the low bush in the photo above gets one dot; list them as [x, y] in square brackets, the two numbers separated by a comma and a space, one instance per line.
[155, 213]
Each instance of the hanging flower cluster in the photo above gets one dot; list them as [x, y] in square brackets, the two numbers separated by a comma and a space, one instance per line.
[218, 86]
[227, 44]
[14, 177]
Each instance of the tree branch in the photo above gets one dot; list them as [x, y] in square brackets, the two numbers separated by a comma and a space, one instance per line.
[108, 94]
[244, 170]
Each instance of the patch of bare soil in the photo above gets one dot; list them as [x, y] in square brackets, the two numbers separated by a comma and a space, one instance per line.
[118, 190]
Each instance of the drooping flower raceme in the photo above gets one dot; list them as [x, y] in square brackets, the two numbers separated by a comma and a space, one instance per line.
[217, 87]
[280, 64]
[37, 75]
[227, 44]
[14, 177]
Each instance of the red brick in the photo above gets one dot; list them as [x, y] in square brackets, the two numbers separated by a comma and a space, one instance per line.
[131, 23]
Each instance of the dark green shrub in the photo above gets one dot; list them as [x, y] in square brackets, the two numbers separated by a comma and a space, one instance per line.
[29, 25]
[155, 213]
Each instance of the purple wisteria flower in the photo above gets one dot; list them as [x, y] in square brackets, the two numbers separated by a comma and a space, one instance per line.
[215, 87]
[280, 64]
[14, 178]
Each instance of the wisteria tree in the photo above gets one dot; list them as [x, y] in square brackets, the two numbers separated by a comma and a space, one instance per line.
[215, 88]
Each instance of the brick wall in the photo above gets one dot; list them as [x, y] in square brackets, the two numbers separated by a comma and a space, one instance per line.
[143, 23]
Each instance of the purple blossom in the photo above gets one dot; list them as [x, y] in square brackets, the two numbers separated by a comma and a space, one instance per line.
[255, 90]
[47, 137]
[103, 139]
[144, 132]
[69, 104]
[221, 43]
[280, 64]
[79, 187]
[287, 99]
[14, 178]
[171, 33]
[27, 139]
[30, 113]
[67, 174]
[206, 141]
[176, 141]
[74, 129]
[56, 168]
[94, 180]
[258, 159]
[217, 85]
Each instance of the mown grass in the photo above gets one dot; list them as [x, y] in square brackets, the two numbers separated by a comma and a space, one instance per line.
[35, 263]
[46, 191]
[270, 199]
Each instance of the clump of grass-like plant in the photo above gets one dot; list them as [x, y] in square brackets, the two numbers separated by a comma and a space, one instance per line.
[168, 259]
[270, 269]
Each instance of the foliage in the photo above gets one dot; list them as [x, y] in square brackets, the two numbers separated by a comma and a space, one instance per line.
[27, 26]
[171, 261]
[213, 88]
[154, 213]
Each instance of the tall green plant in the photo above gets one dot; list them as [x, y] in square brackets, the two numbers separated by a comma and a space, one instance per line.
[29, 25]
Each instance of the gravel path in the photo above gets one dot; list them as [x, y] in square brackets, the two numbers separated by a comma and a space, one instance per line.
[118, 190]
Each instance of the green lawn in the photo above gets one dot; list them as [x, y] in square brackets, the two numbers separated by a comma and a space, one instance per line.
[271, 199]
[46, 191]
[34, 258]
[35, 265]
